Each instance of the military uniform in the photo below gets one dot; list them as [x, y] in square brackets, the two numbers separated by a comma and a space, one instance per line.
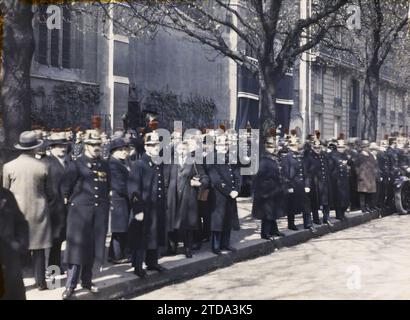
[320, 194]
[339, 177]
[268, 190]
[224, 179]
[86, 185]
[146, 191]
[294, 171]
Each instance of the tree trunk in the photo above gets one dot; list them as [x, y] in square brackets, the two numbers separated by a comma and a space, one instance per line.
[267, 103]
[18, 48]
[371, 105]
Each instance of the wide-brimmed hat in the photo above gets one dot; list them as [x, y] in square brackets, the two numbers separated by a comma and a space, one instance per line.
[28, 141]
[365, 144]
[117, 144]
[57, 138]
[92, 137]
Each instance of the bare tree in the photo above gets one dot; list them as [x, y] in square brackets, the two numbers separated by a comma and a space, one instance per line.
[17, 51]
[271, 34]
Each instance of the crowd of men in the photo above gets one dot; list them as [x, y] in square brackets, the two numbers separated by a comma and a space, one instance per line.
[78, 187]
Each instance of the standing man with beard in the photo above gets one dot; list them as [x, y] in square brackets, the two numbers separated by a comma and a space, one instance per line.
[146, 191]
[268, 190]
[225, 187]
[185, 178]
[120, 207]
[57, 162]
[85, 188]
[298, 183]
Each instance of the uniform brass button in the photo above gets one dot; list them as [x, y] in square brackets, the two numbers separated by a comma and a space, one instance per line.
[96, 204]
[96, 196]
[95, 179]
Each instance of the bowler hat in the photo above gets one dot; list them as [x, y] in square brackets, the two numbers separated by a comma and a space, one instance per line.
[117, 144]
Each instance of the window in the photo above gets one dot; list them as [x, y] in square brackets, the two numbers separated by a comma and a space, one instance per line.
[319, 81]
[337, 126]
[55, 47]
[337, 85]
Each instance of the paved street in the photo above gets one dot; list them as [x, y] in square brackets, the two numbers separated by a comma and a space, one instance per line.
[371, 261]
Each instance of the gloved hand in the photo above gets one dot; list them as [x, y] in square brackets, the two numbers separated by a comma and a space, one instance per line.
[290, 190]
[307, 190]
[234, 194]
[139, 216]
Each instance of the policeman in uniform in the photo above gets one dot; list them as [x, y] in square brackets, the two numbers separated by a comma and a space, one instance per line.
[268, 189]
[298, 183]
[85, 187]
[320, 189]
[146, 191]
[225, 187]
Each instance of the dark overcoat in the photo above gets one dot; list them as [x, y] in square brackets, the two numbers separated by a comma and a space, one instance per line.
[182, 198]
[317, 167]
[224, 178]
[14, 239]
[294, 172]
[86, 185]
[146, 192]
[120, 207]
[58, 211]
[339, 177]
[268, 189]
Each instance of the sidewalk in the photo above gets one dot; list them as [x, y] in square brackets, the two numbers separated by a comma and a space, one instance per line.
[117, 281]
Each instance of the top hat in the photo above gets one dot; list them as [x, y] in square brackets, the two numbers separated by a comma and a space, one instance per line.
[28, 141]
[57, 138]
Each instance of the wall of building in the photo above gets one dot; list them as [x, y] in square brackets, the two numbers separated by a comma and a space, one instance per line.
[172, 62]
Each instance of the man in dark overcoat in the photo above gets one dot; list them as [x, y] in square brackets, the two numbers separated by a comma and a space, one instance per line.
[353, 153]
[339, 176]
[85, 188]
[146, 191]
[298, 183]
[268, 189]
[14, 240]
[120, 207]
[225, 187]
[57, 162]
[184, 180]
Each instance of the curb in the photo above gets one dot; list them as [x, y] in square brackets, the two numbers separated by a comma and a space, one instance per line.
[205, 262]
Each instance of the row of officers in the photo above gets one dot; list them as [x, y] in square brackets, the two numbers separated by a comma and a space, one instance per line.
[148, 206]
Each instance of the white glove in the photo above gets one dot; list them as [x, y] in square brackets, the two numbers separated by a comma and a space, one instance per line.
[234, 194]
[65, 201]
[139, 216]
[195, 183]
[408, 169]
[290, 190]
[307, 190]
